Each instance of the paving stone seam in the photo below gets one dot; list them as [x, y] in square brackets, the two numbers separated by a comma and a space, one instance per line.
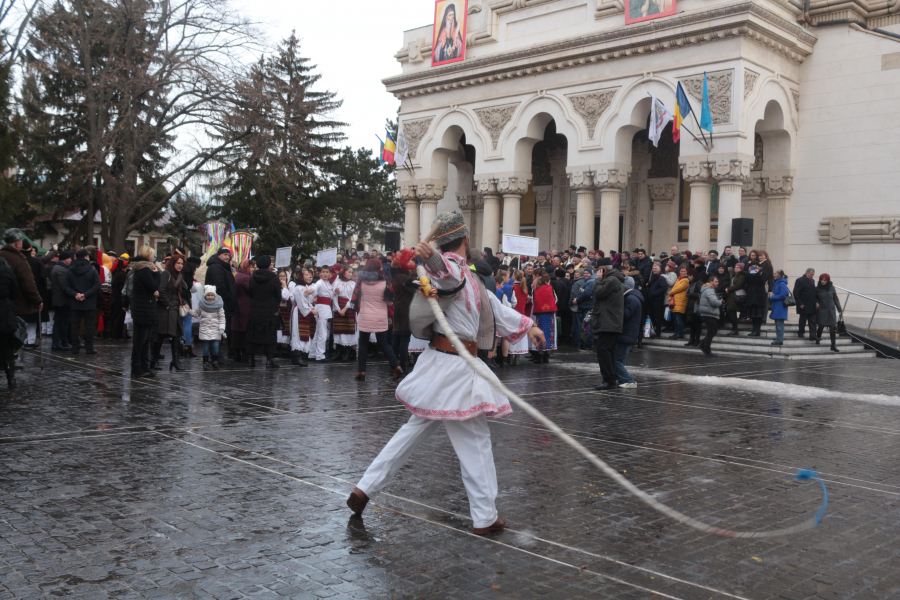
[480, 538]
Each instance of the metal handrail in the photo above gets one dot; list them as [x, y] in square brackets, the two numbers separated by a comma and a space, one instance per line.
[877, 304]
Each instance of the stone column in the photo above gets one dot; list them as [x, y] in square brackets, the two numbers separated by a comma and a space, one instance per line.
[411, 221]
[697, 174]
[610, 181]
[543, 198]
[490, 229]
[477, 225]
[779, 189]
[429, 192]
[467, 206]
[637, 232]
[583, 184]
[560, 201]
[731, 172]
[512, 188]
[663, 192]
[751, 199]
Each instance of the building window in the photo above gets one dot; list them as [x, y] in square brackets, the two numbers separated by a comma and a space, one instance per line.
[130, 247]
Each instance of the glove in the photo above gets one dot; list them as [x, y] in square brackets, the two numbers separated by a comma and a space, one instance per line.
[222, 331]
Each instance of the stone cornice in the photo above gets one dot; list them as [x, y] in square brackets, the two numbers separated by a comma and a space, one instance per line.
[781, 36]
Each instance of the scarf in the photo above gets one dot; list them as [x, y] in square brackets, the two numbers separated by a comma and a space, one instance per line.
[211, 307]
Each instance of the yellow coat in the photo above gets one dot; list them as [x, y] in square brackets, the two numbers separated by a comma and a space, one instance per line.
[679, 293]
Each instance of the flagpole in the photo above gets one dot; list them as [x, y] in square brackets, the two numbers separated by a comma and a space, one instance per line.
[708, 145]
[688, 130]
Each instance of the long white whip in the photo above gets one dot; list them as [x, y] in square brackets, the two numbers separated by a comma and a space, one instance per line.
[641, 495]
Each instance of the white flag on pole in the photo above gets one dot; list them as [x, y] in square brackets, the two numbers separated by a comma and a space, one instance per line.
[402, 147]
[659, 118]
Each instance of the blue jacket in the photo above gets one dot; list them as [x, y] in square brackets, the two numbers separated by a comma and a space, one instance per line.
[586, 297]
[505, 290]
[631, 324]
[779, 293]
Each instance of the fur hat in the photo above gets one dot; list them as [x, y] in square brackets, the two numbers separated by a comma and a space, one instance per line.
[194, 260]
[604, 262]
[11, 236]
[453, 227]
[263, 262]
[209, 289]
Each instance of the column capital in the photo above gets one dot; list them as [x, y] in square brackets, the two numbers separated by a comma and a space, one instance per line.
[730, 167]
[663, 189]
[408, 191]
[466, 201]
[513, 183]
[779, 185]
[487, 184]
[580, 178]
[754, 186]
[430, 190]
[696, 169]
[612, 176]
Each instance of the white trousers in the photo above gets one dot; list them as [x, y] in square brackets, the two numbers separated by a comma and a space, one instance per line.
[471, 440]
[321, 340]
[31, 333]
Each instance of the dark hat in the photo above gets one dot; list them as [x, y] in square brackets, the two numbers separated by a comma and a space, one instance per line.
[663, 255]
[453, 227]
[223, 250]
[573, 247]
[179, 251]
[194, 260]
[26, 245]
[63, 255]
[11, 236]
[263, 262]
[81, 253]
[112, 253]
[604, 262]
[483, 270]
[582, 249]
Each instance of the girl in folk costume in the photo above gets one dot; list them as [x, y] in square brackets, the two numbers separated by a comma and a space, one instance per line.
[343, 325]
[520, 295]
[284, 308]
[443, 388]
[303, 319]
[504, 293]
[210, 312]
[323, 295]
[545, 314]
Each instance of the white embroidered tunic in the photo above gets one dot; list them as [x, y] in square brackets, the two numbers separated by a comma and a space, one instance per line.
[323, 289]
[443, 386]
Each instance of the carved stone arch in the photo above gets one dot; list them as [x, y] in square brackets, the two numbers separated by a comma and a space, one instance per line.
[529, 125]
[442, 140]
[628, 115]
[770, 88]
[768, 92]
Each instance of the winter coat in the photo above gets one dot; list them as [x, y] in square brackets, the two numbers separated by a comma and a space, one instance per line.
[829, 305]
[805, 295]
[218, 273]
[779, 293]
[402, 298]
[632, 317]
[756, 289]
[9, 291]
[679, 294]
[768, 273]
[169, 321]
[645, 266]
[145, 281]
[40, 282]
[713, 267]
[82, 278]
[638, 278]
[28, 300]
[264, 309]
[658, 290]
[693, 297]
[561, 290]
[737, 283]
[609, 303]
[212, 324]
[239, 318]
[58, 278]
[586, 297]
[119, 277]
[577, 289]
[671, 279]
[373, 309]
[709, 302]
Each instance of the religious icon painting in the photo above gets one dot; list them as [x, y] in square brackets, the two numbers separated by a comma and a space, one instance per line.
[449, 44]
[646, 10]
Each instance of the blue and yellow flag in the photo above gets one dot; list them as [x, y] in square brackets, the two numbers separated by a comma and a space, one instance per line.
[705, 114]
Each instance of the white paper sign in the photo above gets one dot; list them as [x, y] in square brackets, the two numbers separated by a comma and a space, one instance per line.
[283, 257]
[326, 258]
[521, 245]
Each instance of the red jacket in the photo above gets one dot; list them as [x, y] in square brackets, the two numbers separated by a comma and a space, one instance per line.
[544, 301]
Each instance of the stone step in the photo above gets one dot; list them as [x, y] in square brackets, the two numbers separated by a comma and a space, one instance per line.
[765, 340]
[792, 352]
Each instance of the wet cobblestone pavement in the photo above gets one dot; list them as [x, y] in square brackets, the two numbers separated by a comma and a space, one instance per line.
[231, 484]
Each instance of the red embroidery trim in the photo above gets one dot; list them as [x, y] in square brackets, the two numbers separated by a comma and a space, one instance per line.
[489, 409]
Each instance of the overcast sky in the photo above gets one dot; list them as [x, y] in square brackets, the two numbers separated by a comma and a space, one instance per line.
[353, 42]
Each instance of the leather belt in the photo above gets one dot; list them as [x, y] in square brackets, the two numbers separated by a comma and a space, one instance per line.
[442, 343]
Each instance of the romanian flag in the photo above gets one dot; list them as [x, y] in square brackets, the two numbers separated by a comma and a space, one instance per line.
[682, 109]
[387, 155]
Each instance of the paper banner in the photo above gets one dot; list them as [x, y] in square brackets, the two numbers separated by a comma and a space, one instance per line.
[282, 257]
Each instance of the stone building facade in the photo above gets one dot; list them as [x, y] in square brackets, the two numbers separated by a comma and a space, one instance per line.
[542, 130]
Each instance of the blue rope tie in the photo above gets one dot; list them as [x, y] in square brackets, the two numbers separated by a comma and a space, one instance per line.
[807, 474]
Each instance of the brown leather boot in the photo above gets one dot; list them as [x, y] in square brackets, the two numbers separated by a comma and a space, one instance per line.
[499, 525]
[357, 501]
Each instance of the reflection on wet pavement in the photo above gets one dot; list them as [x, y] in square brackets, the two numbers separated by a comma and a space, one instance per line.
[231, 484]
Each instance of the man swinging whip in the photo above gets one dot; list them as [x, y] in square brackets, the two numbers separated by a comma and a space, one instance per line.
[444, 388]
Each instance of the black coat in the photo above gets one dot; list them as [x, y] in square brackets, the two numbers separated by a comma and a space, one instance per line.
[805, 295]
[755, 284]
[168, 319]
[82, 278]
[219, 274]
[9, 291]
[264, 321]
[645, 266]
[829, 305]
[633, 316]
[658, 289]
[58, 278]
[143, 303]
[40, 282]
